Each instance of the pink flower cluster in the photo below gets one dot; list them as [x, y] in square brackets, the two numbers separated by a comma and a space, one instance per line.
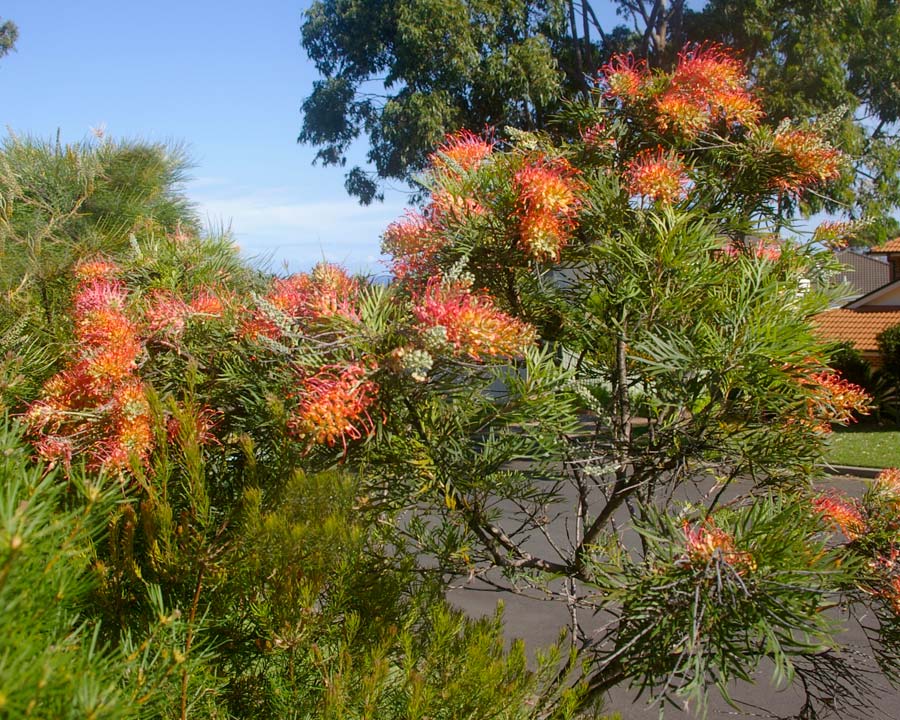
[97, 405]
[658, 175]
[548, 202]
[473, 325]
[333, 405]
[328, 292]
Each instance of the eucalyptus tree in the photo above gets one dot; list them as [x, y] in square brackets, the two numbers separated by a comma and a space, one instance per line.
[399, 75]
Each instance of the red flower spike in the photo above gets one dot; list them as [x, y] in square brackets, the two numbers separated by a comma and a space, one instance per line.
[708, 68]
[625, 78]
[207, 303]
[682, 113]
[842, 514]
[166, 313]
[413, 243]
[333, 405]
[889, 479]
[96, 269]
[706, 541]
[767, 248]
[96, 406]
[707, 87]
[99, 294]
[326, 292]
[815, 161]
[447, 206]
[462, 151]
[835, 234]
[473, 325]
[548, 199]
[837, 399]
[658, 175]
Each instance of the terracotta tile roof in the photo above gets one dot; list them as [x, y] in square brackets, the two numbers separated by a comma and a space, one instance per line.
[891, 246]
[858, 326]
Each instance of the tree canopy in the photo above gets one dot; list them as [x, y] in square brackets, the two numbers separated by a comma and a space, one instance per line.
[9, 33]
[402, 74]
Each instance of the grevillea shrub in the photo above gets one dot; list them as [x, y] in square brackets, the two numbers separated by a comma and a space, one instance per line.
[600, 330]
[641, 242]
[216, 405]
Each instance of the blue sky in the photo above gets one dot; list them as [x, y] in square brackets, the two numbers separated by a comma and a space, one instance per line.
[225, 78]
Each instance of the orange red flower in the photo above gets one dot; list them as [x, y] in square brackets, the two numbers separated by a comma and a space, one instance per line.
[836, 400]
[413, 242]
[707, 87]
[705, 542]
[473, 325]
[888, 480]
[547, 192]
[625, 78]
[97, 405]
[814, 160]
[327, 292]
[658, 175]
[462, 151]
[842, 514]
[334, 405]
[835, 234]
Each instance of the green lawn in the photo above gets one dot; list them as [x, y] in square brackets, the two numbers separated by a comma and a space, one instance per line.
[865, 446]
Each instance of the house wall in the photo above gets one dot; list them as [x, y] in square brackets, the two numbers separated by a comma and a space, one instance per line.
[890, 298]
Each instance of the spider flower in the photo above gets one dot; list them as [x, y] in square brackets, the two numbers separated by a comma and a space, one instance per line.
[814, 160]
[658, 175]
[708, 68]
[99, 293]
[327, 292]
[706, 542]
[708, 86]
[888, 480]
[96, 405]
[334, 405]
[206, 302]
[462, 151]
[473, 325]
[836, 400]
[841, 514]
[885, 491]
[166, 313]
[625, 78]
[96, 269]
[547, 194]
[413, 242]
[836, 234]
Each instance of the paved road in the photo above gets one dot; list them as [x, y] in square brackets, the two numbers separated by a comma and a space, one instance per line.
[538, 622]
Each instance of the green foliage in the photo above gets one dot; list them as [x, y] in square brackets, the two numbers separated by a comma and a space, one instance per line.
[445, 65]
[55, 662]
[710, 599]
[9, 34]
[889, 349]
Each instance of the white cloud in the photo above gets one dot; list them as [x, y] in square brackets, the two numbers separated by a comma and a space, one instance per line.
[279, 223]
